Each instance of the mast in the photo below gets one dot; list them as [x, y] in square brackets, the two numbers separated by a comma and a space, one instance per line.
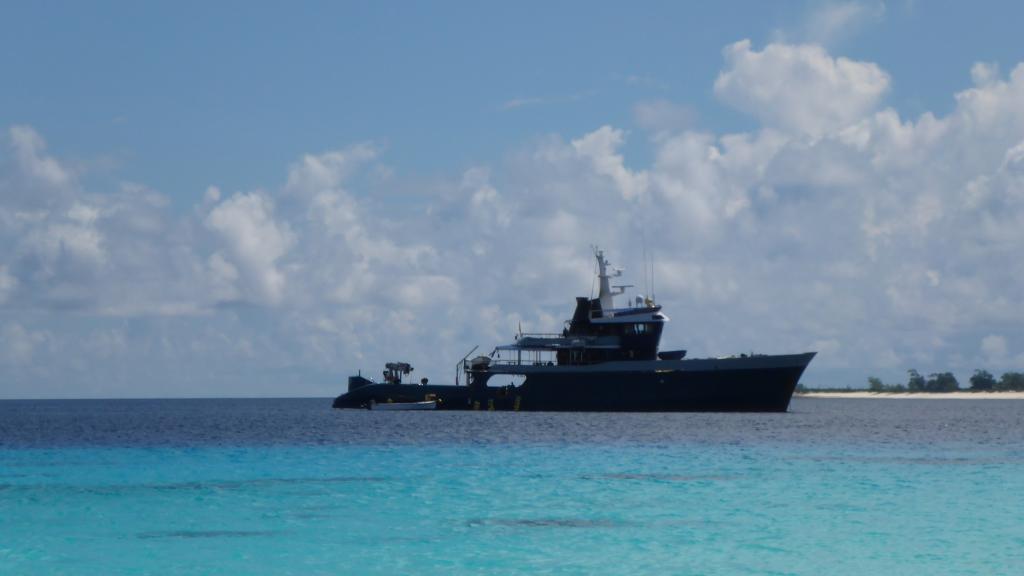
[605, 295]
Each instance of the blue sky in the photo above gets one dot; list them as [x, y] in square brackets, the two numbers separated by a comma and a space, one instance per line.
[182, 95]
[166, 165]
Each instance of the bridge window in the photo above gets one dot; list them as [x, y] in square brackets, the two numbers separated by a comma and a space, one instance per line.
[637, 329]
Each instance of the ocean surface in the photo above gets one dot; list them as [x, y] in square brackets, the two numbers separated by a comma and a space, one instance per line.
[835, 486]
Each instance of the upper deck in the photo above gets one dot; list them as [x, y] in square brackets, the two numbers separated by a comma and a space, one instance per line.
[598, 331]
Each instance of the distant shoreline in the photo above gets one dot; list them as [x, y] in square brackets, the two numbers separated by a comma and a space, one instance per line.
[961, 395]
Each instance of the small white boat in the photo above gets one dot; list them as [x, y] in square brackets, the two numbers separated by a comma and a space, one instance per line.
[425, 405]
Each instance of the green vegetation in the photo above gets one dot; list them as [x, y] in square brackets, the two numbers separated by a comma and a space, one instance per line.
[981, 381]
[942, 382]
[876, 385]
[1011, 381]
[916, 382]
[801, 389]
[937, 382]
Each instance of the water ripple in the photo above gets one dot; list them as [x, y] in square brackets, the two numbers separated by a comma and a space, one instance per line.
[178, 534]
[546, 523]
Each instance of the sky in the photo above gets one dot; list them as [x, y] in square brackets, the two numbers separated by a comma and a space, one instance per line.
[256, 199]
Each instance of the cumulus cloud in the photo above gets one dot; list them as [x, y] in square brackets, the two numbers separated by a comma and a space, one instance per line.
[488, 209]
[991, 114]
[253, 243]
[599, 147]
[316, 173]
[886, 242]
[30, 152]
[106, 253]
[19, 344]
[799, 88]
[994, 347]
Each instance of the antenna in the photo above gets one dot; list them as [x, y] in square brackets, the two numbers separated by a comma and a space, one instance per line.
[652, 275]
[643, 242]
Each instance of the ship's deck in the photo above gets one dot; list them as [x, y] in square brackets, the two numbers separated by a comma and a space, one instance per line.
[753, 362]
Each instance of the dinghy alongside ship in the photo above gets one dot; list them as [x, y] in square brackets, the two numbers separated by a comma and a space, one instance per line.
[424, 405]
[605, 360]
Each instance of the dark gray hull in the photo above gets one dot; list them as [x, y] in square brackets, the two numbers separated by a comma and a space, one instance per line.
[740, 384]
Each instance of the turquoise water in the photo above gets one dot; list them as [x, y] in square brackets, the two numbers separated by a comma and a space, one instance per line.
[875, 487]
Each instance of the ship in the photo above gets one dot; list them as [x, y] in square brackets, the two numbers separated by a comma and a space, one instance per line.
[605, 359]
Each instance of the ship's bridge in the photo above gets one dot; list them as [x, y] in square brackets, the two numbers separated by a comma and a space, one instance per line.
[597, 332]
[650, 313]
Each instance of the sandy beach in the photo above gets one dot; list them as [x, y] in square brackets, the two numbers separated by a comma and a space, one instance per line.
[964, 395]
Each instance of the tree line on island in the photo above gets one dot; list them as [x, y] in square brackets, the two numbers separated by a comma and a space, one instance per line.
[981, 381]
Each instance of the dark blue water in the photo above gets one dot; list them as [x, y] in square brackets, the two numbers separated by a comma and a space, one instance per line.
[311, 421]
[292, 487]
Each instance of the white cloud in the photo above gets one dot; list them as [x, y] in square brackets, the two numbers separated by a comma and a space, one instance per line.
[29, 150]
[105, 253]
[994, 348]
[488, 209]
[253, 242]
[223, 278]
[984, 73]
[600, 148]
[19, 344]
[60, 256]
[886, 242]
[428, 290]
[317, 173]
[991, 114]
[212, 195]
[77, 237]
[799, 88]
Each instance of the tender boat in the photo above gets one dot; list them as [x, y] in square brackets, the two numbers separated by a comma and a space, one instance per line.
[425, 405]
